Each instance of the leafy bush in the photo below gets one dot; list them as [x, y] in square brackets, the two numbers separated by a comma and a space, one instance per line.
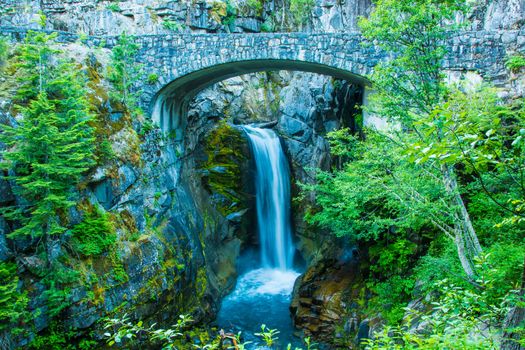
[391, 297]
[268, 26]
[223, 12]
[515, 63]
[94, 235]
[459, 319]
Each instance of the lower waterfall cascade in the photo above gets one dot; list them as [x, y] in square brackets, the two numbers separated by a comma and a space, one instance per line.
[263, 290]
[272, 192]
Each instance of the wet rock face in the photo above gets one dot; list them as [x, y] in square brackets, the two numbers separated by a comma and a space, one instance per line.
[325, 301]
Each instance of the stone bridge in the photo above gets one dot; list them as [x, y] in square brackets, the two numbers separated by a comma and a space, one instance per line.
[188, 63]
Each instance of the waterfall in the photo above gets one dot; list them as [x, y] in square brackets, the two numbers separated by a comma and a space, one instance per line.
[272, 190]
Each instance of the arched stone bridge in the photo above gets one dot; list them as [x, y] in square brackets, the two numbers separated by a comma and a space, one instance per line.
[187, 63]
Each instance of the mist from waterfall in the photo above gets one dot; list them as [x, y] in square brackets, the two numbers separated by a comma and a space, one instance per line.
[272, 191]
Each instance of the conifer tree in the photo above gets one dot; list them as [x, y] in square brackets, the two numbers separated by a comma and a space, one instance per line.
[52, 145]
[124, 72]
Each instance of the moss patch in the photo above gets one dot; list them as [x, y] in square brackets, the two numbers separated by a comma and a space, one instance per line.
[223, 149]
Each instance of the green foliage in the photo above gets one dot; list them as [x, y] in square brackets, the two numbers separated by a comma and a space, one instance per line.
[34, 63]
[105, 152]
[256, 5]
[231, 14]
[268, 26]
[94, 235]
[501, 270]
[53, 144]
[393, 258]
[515, 62]
[122, 332]
[124, 72]
[456, 320]
[55, 338]
[41, 20]
[301, 11]
[391, 296]
[58, 280]
[372, 196]
[4, 50]
[172, 25]
[415, 32]
[60, 337]
[224, 12]
[114, 7]
[268, 335]
[153, 78]
[13, 303]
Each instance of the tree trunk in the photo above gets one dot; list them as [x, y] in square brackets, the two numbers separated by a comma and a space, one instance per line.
[466, 240]
[515, 320]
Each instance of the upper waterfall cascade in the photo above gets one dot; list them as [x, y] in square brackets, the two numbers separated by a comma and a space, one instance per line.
[272, 189]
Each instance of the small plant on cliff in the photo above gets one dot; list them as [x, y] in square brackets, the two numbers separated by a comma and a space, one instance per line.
[172, 25]
[515, 62]
[256, 5]
[223, 12]
[94, 235]
[52, 146]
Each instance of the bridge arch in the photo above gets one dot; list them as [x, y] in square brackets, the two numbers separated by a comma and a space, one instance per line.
[188, 65]
[170, 104]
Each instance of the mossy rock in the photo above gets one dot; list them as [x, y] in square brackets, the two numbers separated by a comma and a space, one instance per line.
[222, 169]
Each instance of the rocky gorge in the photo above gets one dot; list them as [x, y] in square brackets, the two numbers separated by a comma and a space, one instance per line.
[182, 201]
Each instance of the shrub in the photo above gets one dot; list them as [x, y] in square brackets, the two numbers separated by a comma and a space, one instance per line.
[515, 62]
[94, 235]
